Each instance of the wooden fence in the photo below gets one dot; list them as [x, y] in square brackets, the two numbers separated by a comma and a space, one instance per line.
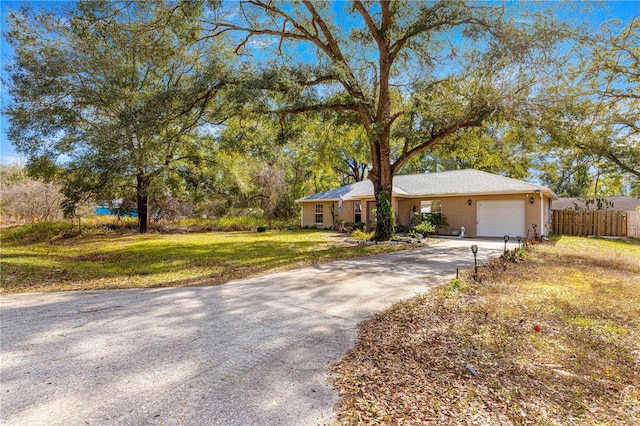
[633, 224]
[590, 222]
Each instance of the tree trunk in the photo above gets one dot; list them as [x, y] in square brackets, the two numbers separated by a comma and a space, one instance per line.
[384, 215]
[143, 202]
[381, 154]
[381, 176]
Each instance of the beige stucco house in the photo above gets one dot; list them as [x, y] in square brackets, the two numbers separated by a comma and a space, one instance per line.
[486, 205]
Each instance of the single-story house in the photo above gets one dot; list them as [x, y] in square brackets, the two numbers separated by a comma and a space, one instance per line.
[486, 205]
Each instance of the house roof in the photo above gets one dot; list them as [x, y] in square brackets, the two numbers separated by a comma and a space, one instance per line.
[617, 203]
[449, 183]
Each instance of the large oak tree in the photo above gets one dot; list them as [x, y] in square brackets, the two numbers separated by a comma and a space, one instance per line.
[416, 73]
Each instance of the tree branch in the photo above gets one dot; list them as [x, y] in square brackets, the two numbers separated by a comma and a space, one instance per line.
[623, 166]
[331, 47]
[611, 156]
[435, 138]
[369, 21]
[307, 108]
[319, 80]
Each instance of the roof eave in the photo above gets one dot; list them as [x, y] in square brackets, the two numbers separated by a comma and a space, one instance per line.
[549, 193]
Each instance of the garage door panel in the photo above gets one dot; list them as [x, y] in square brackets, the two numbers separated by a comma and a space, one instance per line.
[497, 218]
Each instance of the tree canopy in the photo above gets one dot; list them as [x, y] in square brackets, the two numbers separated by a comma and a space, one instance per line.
[120, 88]
[419, 73]
[592, 127]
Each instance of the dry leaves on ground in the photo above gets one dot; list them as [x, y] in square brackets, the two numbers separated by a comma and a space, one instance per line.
[414, 363]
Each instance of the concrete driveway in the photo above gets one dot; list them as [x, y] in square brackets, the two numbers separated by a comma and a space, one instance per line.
[248, 352]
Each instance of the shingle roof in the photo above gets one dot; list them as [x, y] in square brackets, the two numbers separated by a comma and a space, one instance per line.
[449, 183]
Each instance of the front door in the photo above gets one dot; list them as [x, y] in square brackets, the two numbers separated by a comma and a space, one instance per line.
[371, 216]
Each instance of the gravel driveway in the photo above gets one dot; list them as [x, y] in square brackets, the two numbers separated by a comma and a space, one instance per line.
[248, 352]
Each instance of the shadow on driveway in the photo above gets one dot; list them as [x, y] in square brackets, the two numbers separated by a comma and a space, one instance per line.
[248, 352]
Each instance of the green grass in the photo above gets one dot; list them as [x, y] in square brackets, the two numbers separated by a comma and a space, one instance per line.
[50, 258]
[580, 365]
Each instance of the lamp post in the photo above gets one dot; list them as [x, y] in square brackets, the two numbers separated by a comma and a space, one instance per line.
[474, 250]
[506, 240]
[519, 240]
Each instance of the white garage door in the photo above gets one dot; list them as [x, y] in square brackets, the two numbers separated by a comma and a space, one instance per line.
[500, 218]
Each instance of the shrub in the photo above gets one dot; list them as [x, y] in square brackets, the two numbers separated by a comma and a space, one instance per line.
[31, 201]
[425, 228]
[435, 219]
[362, 236]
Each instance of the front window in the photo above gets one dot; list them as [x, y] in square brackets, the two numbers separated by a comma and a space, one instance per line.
[319, 214]
[431, 207]
[357, 212]
[431, 212]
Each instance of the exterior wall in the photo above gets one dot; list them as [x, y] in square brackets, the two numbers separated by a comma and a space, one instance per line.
[459, 213]
[403, 212]
[346, 215]
[309, 214]
[456, 210]
[547, 216]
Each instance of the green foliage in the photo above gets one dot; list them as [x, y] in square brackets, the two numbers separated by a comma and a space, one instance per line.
[514, 255]
[591, 127]
[432, 219]
[384, 214]
[595, 203]
[159, 114]
[455, 285]
[501, 149]
[425, 228]
[121, 88]
[11, 174]
[239, 223]
[362, 236]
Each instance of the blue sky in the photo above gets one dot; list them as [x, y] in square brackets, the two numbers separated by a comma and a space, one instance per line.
[623, 10]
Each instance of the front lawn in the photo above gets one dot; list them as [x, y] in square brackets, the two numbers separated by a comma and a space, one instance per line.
[116, 260]
[554, 339]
